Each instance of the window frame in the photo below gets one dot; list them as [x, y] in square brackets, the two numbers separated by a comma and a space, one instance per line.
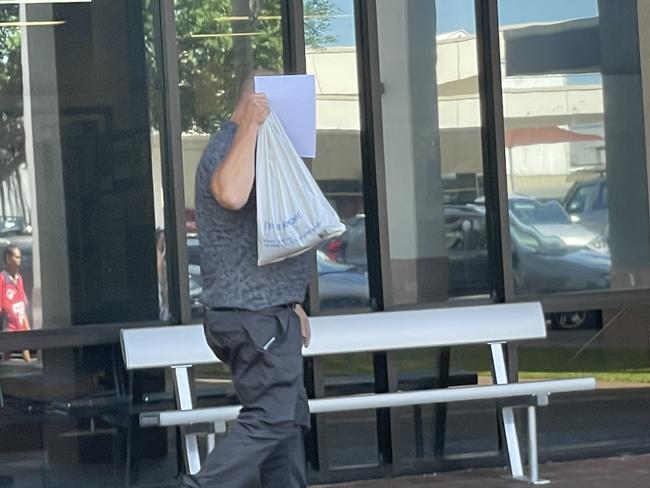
[374, 181]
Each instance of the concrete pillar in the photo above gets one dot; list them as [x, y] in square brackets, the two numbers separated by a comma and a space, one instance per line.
[50, 309]
[407, 52]
[627, 175]
[643, 20]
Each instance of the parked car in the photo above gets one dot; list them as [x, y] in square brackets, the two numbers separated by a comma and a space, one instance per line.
[587, 205]
[193, 249]
[545, 264]
[467, 251]
[549, 218]
[350, 247]
[196, 289]
[542, 263]
[341, 285]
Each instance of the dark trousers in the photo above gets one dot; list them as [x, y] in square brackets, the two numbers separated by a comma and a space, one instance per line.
[265, 446]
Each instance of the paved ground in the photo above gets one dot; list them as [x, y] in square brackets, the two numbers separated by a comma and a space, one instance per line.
[619, 472]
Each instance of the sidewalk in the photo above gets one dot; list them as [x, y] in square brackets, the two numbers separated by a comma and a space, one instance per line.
[619, 472]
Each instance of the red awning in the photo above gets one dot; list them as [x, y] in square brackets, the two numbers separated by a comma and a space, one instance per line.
[528, 136]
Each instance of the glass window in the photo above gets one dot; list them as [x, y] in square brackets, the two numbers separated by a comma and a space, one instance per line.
[219, 45]
[77, 159]
[73, 425]
[331, 54]
[440, 432]
[79, 196]
[432, 149]
[350, 438]
[573, 104]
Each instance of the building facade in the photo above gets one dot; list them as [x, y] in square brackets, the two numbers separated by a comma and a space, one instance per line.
[478, 151]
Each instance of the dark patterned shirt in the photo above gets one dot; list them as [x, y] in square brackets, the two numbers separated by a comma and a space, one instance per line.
[228, 239]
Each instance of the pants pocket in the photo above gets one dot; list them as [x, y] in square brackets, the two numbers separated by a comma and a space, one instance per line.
[264, 332]
[223, 333]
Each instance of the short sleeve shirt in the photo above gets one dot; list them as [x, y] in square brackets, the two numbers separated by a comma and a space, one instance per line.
[228, 240]
[14, 301]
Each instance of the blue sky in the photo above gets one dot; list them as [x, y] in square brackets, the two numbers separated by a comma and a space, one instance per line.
[459, 14]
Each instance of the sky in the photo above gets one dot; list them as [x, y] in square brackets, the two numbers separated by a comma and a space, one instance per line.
[459, 14]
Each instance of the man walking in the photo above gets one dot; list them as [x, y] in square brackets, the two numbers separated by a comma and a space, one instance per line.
[253, 318]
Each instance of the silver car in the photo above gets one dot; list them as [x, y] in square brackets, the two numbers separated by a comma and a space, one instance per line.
[550, 219]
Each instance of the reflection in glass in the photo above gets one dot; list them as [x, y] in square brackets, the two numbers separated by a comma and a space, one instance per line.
[350, 438]
[432, 150]
[68, 422]
[332, 58]
[574, 129]
[76, 196]
[76, 160]
[578, 194]
[15, 202]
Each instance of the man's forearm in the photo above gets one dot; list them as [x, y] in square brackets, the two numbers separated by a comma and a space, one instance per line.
[232, 181]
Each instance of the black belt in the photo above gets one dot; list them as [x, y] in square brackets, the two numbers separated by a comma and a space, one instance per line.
[226, 309]
[237, 309]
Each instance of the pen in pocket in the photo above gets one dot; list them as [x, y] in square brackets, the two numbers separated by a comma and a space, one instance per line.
[268, 343]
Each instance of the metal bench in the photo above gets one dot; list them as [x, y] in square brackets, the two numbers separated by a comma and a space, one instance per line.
[181, 347]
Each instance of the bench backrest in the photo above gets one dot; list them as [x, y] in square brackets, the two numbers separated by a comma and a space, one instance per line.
[157, 347]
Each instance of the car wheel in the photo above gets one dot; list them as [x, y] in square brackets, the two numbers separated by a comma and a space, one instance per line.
[572, 320]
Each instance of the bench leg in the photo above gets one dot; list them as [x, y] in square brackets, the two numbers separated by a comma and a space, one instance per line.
[512, 443]
[508, 415]
[210, 442]
[532, 448]
[191, 452]
[183, 389]
[219, 428]
[512, 440]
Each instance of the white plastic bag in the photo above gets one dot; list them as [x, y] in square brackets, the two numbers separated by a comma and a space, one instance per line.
[293, 215]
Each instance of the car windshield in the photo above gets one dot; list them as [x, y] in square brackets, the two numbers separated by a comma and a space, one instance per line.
[578, 200]
[534, 212]
[528, 236]
[12, 226]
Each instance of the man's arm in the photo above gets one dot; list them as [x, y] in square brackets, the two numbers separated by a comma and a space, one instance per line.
[232, 181]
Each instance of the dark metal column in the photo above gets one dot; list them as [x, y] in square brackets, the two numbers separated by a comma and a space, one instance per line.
[172, 164]
[372, 153]
[494, 159]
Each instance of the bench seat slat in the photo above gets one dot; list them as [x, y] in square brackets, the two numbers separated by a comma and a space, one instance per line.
[340, 334]
[382, 400]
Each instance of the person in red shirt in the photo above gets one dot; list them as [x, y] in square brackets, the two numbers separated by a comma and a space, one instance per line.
[13, 300]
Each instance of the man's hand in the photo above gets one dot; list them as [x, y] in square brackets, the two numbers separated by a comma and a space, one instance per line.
[256, 109]
[305, 328]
